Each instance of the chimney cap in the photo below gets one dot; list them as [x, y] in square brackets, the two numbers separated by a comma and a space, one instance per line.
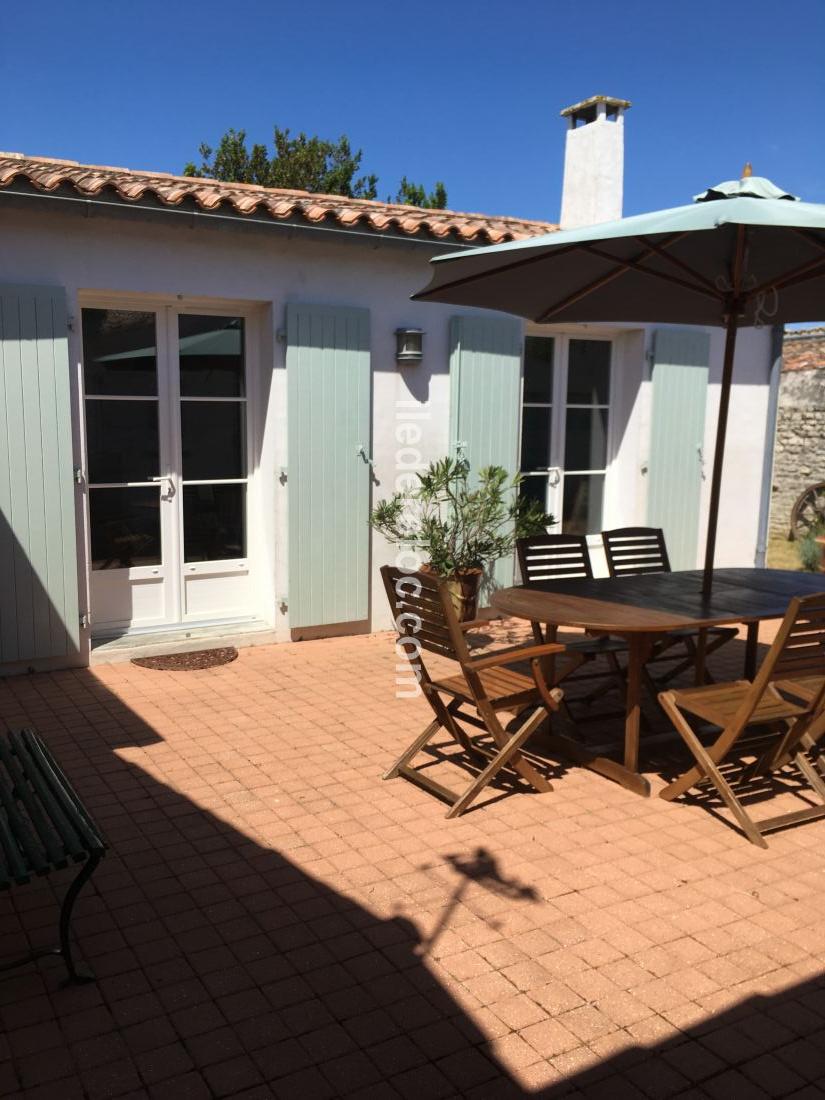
[610, 100]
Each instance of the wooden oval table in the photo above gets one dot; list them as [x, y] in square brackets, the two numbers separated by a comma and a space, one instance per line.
[640, 610]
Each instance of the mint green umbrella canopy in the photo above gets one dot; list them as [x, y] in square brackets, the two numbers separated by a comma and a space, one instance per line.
[743, 253]
[675, 265]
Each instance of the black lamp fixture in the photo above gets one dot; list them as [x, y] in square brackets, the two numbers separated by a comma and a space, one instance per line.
[409, 346]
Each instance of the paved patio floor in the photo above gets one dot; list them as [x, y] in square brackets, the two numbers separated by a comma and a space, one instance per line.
[275, 921]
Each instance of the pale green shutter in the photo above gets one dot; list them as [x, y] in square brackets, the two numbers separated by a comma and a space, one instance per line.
[485, 398]
[680, 382]
[38, 552]
[328, 420]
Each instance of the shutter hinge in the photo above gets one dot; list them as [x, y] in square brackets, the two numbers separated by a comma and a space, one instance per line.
[85, 620]
[283, 604]
[70, 323]
[282, 476]
[280, 335]
[78, 475]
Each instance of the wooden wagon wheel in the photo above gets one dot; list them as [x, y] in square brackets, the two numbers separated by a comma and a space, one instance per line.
[808, 513]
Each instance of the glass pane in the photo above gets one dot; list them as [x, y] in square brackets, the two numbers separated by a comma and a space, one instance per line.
[538, 368]
[582, 508]
[585, 442]
[122, 440]
[535, 439]
[588, 372]
[213, 440]
[119, 352]
[125, 527]
[211, 356]
[534, 488]
[214, 525]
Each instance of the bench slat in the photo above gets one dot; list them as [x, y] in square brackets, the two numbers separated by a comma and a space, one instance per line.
[43, 824]
[13, 868]
[58, 797]
[44, 835]
[69, 838]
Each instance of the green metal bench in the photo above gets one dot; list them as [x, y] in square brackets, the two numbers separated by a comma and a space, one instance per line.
[43, 827]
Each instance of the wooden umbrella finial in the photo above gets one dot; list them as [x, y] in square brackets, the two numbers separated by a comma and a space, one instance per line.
[747, 171]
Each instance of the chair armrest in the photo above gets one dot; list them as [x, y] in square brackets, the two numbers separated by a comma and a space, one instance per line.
[513, 654]
[476, 624]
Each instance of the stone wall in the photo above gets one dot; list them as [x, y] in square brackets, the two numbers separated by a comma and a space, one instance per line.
[799, 452]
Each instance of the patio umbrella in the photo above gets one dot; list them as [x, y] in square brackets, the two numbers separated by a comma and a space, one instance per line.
[743, 253]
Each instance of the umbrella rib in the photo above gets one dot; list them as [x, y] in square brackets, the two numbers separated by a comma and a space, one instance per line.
[523, 262]
[811, 238]
[609, 276]
[809, 270]
[665, 255]
[638, 266]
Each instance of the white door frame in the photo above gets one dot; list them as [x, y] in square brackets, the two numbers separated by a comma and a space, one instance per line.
[167, 309]
[558, 424]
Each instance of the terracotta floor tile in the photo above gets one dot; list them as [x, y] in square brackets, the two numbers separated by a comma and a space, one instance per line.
[270, 925]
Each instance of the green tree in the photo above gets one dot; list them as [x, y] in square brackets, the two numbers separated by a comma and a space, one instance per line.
[305, 163]
[413, 194]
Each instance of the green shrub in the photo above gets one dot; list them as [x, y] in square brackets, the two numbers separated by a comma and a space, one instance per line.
[810, 553]
[456, 525]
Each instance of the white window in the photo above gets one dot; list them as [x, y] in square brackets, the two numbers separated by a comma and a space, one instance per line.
[565, 424]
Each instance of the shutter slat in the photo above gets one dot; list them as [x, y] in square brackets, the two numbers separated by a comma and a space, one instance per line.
[38, 551]
[485, 397]
[680, 380]
[328, 408]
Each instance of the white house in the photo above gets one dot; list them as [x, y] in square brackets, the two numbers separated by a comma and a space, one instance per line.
[200, 399]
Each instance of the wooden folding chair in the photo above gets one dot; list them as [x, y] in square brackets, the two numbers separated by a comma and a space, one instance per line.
[633, 551]
[426, 621]
[786, 729]
[565, 557]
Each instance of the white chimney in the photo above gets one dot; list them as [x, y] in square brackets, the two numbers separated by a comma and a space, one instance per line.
[593, 161]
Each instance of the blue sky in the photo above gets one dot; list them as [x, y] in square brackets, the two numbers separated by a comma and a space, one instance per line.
[467, 92]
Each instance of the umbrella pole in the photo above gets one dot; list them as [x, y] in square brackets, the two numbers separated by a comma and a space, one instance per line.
[719, 452]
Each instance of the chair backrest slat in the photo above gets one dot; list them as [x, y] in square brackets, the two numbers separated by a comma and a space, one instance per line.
[798, 650]
[802, 638]
[553, 557]
[631, 551]
[423, 610]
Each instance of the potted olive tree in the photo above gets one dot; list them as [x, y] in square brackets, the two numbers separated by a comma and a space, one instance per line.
[460, 530]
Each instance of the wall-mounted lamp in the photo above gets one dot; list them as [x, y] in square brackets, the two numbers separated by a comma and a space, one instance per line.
[409, 345]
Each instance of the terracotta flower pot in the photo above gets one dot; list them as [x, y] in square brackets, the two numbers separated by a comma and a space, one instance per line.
[463, 588]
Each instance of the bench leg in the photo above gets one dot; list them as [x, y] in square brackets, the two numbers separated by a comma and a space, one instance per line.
[75, 976]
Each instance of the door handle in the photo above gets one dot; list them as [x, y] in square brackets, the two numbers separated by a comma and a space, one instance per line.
[170, 492]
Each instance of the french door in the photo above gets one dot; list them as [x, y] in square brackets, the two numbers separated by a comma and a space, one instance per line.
[167, 459]
[565, 426]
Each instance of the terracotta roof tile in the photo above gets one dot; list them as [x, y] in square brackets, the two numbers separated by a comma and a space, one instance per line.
[280, 204]
[804, 349]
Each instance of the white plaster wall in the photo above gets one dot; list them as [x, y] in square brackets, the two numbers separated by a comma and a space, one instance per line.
[189, 265]
[593, 172]
[747, 427]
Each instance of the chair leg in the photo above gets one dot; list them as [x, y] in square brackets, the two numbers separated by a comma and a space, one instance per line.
[706, 769]
[414, 749]
[507, 754]
[516, 760]
[811, 774]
